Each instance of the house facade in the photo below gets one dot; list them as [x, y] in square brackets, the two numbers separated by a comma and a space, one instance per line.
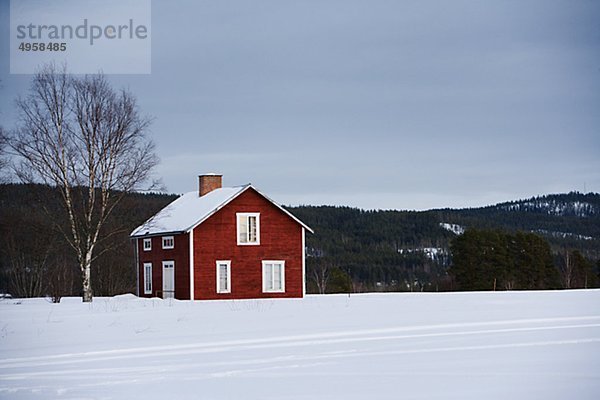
[221, 243]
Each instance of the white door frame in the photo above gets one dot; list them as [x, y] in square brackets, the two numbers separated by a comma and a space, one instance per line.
[168, 267]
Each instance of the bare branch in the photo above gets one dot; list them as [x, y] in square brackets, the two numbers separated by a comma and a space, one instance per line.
[88, 140]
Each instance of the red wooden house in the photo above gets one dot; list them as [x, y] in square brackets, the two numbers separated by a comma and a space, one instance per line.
[221, 243]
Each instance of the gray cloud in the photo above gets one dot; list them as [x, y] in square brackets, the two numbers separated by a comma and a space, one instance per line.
[382, 104]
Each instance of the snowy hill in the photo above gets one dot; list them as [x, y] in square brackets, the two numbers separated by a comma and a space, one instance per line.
[495, 345]
[390, 249]
[570, 204]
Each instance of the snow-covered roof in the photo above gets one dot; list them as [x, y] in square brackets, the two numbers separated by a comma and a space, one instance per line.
[190, 210]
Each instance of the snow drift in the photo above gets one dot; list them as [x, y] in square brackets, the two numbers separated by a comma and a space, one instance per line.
[518, 345]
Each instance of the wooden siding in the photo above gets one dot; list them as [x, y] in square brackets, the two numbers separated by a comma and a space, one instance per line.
[215, 239]
[180, 255]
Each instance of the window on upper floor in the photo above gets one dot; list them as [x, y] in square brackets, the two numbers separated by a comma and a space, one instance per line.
[168, 242]
[147, 244]
[248, 228]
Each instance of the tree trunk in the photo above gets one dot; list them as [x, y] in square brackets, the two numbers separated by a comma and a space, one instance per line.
[568, 273]
[87, 283]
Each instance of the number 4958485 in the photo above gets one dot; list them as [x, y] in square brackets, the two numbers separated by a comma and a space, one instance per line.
[50, 46]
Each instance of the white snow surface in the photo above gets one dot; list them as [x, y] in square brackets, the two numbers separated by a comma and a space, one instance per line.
[454, 228]
[431, 253]
[186, 211]
[494, 345]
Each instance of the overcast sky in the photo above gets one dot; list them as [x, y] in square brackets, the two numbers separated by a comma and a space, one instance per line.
[374, 104]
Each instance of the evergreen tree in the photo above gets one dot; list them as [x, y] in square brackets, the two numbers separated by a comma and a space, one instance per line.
[583, 273]
[486, 260]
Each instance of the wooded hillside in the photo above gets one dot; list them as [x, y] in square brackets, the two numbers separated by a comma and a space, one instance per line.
[351, 250]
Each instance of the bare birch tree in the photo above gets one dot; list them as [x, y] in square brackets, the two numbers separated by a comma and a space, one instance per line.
[320, 275]
[567, 271]
[88, 140]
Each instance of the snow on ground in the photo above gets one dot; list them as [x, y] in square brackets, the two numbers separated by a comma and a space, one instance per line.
[454, 228]
[495, 345]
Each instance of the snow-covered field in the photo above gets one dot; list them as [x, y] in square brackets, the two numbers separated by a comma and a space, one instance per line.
[503, 345]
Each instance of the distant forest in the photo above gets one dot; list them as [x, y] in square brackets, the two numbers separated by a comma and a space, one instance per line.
[545, 242]
[412, 251]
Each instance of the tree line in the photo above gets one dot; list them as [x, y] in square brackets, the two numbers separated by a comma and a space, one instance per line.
[408, 251]
[36, 259]
[497, 260]
[352, 250]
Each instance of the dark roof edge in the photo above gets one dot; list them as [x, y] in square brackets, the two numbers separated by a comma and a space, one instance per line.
[156, 234]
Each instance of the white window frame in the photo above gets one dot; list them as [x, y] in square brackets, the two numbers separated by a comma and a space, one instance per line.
[166, 238]
[219, 288]
[239, 217]
[147, 244]
[265, 265]
[147, 278]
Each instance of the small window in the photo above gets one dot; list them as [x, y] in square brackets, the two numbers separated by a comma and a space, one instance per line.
[223, 276]
[248, 228]
[147, 278]
[147, 244]
[273, 276]
[168, 242]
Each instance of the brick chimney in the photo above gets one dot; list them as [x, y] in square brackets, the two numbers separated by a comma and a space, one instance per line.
[209, 182]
